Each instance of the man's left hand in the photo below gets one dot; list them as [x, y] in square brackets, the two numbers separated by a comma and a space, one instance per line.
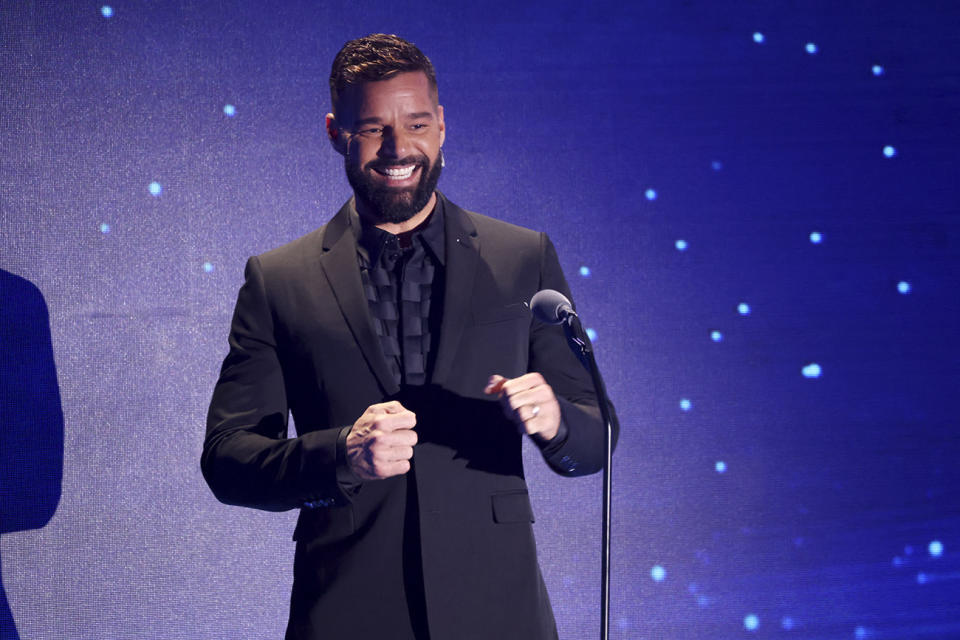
[529, 401]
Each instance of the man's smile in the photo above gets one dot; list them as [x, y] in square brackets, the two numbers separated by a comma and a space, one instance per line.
[397, 174]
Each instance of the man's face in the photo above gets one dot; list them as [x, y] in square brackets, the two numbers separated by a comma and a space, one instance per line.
[390, 132]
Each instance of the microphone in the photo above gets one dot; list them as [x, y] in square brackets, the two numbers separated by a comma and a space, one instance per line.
[551, 307]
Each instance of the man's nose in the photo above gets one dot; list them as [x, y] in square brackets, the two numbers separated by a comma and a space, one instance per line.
[395, 143]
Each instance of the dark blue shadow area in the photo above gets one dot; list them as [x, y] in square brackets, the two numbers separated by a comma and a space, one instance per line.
[31, 420]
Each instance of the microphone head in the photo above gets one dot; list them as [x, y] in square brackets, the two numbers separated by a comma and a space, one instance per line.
[550, 307]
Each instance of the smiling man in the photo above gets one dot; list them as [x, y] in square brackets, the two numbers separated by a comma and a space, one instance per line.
[394, 162]
[398, 336]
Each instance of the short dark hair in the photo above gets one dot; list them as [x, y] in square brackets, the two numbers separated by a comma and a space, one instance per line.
[376, 57]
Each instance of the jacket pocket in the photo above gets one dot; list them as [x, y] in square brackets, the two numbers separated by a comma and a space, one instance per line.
[512, 506]
[515, 311]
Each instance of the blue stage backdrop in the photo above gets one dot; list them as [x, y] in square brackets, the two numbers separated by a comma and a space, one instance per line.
[756, 204]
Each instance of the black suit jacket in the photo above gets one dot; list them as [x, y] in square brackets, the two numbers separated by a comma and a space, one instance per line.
[302, 341]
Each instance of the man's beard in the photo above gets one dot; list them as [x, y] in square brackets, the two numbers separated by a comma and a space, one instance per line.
[390, 204]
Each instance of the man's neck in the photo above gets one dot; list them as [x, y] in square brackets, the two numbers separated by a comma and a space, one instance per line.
[396, 228]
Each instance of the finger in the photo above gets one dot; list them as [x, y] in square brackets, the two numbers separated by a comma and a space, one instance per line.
[537, 395]
[400, 437]
[524, 382]
[395, 421]
[383, 456]
[391, 469]
[494, 384]
[392, 407]
[400, 453]
[400, 467]
[529, 412]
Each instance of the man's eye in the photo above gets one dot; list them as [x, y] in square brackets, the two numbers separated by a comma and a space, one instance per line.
[371, 132]
[420, 126]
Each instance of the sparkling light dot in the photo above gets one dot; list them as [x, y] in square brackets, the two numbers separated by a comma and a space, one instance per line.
[787, 623]
[877, 70]
[208, 267]
[812, 370]
[859, 633]
[104, 228]
[658, 573]
[897, 561]
[935, 548]
[721, 466]
[585, 271]
[743, 309]
[751, 622]
[889, 151]
[811, 48]
[908, 550]
[155, 188]
[703, 600]
[685, 404]
[816, 237]
[922, 578]
[716, 336]
[758, 37]
[106, 11]
[903, 287]
[681, 245]
[591, 334]
[230, 110]
[650, 194]
[716, 165]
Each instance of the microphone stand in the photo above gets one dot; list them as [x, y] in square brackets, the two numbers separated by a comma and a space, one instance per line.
[584, 350]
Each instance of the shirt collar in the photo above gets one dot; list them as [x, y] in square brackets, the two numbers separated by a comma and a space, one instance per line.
[371, 241]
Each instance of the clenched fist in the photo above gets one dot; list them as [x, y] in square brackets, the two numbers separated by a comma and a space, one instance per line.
[380, 443]
[529, 401]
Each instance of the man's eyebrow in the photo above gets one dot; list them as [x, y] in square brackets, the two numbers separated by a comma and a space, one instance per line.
[363, 121]
[375, 120]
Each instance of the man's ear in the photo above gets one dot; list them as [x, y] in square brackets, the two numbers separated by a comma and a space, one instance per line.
[336, 135]
[440, 124]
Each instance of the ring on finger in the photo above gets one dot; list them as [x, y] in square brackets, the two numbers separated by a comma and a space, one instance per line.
[534, 411]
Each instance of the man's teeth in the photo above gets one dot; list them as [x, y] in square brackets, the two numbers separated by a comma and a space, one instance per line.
[399, 173]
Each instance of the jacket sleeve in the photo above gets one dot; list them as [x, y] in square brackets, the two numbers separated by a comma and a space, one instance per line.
[578, 447]
[247, 459]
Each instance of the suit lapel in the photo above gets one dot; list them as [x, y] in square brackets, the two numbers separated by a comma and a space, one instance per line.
[462, 255]
[339, 264]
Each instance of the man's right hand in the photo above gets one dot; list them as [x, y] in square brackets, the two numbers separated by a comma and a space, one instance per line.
[380, 443]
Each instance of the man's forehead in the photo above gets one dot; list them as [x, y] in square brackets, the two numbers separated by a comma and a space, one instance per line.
[411, 89]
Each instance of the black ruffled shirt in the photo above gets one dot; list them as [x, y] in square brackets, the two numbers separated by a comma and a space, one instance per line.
[403, 282]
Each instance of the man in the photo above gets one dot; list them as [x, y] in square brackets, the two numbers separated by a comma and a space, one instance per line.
[399, 337]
